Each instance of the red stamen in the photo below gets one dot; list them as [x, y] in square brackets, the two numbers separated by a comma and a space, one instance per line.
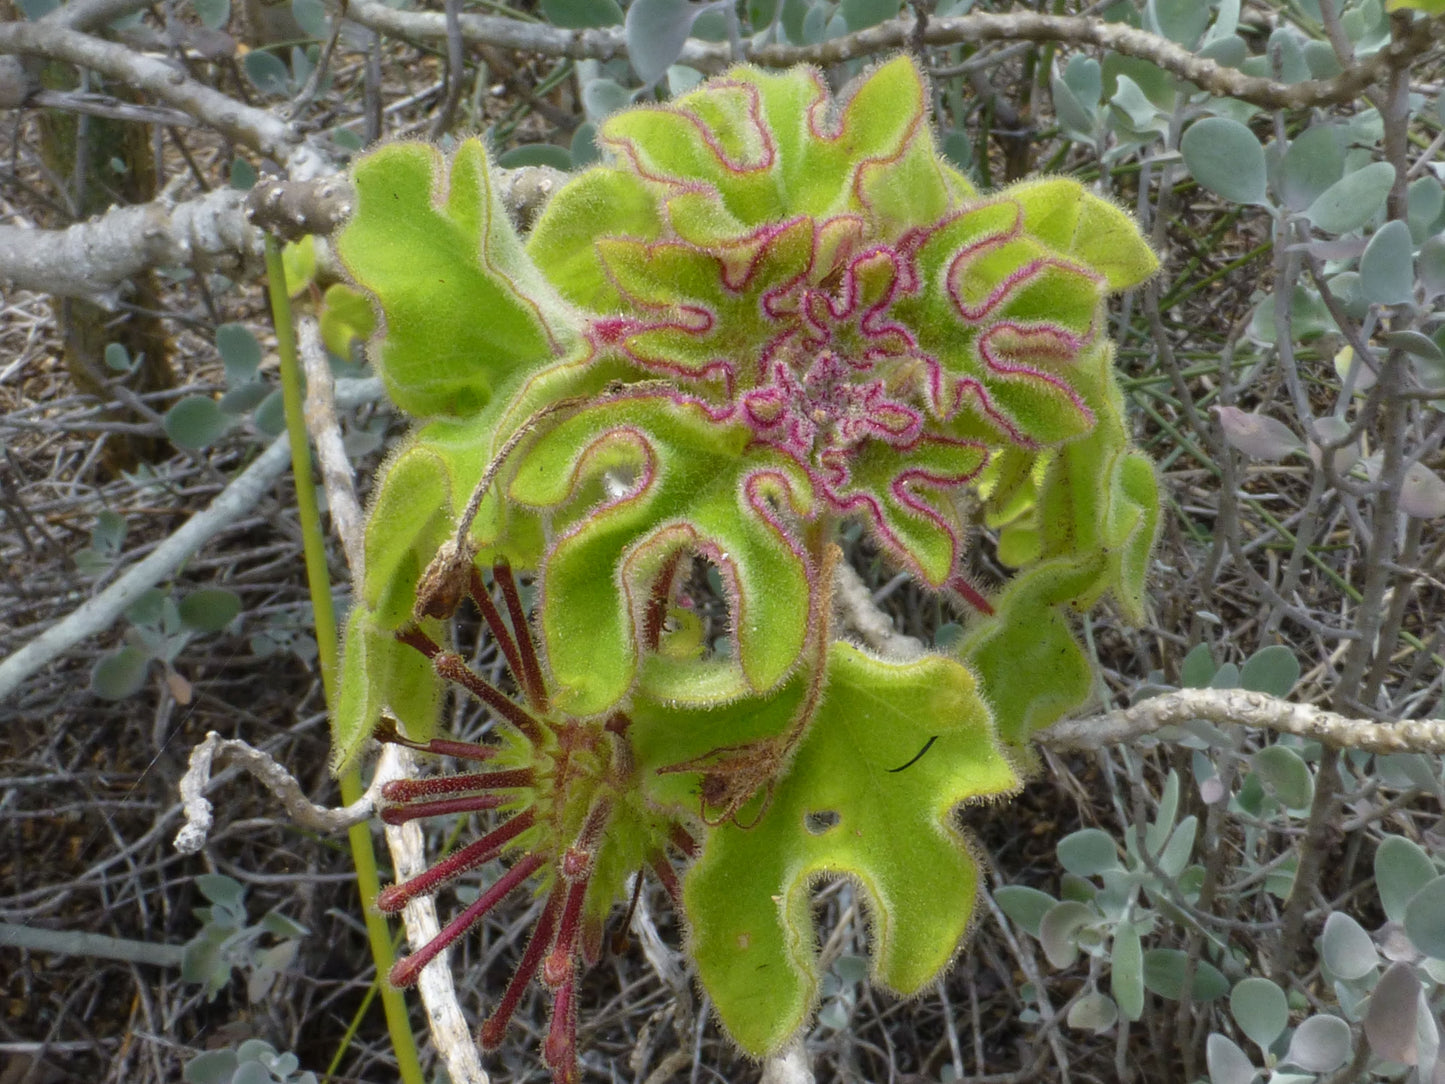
[405, 971]
[559, 1050]
[491, 1033]
[453, 667]
[395, 897]
[971, 595]
[660, 866]
[500, 633]
[414, 637]
[408, 790]
[559, 966]
[443, 807]
[531, 677]
[682, 839]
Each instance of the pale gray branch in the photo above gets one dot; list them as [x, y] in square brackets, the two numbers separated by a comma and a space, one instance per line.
[259, 129]
[300, 809]
[95, 945]
[93, 259]
[1237, 707]
[1076, 30]
[100, 612]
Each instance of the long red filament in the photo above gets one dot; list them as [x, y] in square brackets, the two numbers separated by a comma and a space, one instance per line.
[559, 1050]
[407, 790]
[406, 970]
[559, 965]
[442, 807]
[660, 866]
[453, 667]
[500, 632]
[386, 731]
[531, 676]
[490, 1036]
[393, 898]
[971, 595]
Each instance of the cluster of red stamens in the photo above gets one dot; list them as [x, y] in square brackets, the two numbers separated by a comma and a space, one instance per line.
[555, 785]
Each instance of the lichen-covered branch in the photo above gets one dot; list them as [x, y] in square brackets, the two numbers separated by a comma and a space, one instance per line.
[1076, 30]
[1237, 707]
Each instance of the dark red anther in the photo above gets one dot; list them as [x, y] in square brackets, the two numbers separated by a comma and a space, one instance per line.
[395, 897]
[491, 1033]
[406, 970]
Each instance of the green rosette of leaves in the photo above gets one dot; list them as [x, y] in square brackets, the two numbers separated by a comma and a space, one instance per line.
[768, 311]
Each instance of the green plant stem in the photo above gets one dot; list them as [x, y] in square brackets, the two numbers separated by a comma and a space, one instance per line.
[363, 856]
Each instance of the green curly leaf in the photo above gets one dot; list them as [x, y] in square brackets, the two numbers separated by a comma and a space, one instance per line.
[893, 750]
[467, 314]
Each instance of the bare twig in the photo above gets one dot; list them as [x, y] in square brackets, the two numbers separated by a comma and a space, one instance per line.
[192, 836]
[100, 612]
[1240, 708]
[336, 473]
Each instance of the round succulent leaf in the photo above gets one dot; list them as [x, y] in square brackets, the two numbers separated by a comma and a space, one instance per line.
[1347, 949]
[1088, 851]
[1387, 269]
[1422, 493]
[536, 154]
[211, 1067]
[1227, 1063]
[1058, 931]
[747, 896]
[1425, 918]
[656, 31]
[1024, 906]
[1390, 1018]
[267, 72]
[1284, 775]
[582, 14]
[1198, 668]
[467, 315]
[1126, 963]
[210, 609]
[240, 352]
[697, 487]
[196, 422]
[1164, 971]
[861, 14]
[1402, 868]
[1432, 266]
[120, 673]
[1094, 1012]
[1260, 1010]
[1273, 669]
[1321, 1044]
[1257, 435]
[1314, 160]
[1225, 157]
[1352, 200]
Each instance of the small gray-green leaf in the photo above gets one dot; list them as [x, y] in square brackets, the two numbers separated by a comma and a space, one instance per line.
[212, 1067]
[582, 14]
[1197, 669]
[210, 609]
[1352, 200]
[1164, 974]
[861, 14]
[1422, 494]
[268, 72]
[1314, 160]
[1321, 1044]
[1402, 868]
[1094, 1012]
[213, 14]
[311, 17]
[240, 352]
[1227, 1063]
[196, 421]
[120, 673]
[1127, 976]
[270, 416]
[537, 154]
[1260, 1009]
[656, 31]
[1284, 775]
[1057, 930]
[1347, 949]
[1225, 157]
[1273, 669]
[1425, 919]
[1390, 1018]
[1387, 272]
[1024, 906]
[1088, 851]
[1257, 435]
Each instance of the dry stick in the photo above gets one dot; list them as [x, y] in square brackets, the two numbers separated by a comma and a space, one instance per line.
[336, 473]
[446, 1021]
[256, 128]
[896, 34]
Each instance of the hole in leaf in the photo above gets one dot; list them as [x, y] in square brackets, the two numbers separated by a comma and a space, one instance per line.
[821, 821]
